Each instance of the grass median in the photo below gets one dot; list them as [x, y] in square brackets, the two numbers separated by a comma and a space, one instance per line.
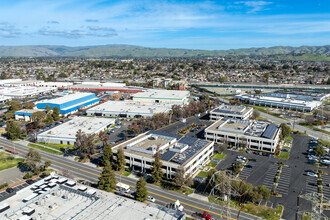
[48, 150]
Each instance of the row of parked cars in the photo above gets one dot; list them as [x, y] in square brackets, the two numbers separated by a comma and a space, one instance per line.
[313, 158]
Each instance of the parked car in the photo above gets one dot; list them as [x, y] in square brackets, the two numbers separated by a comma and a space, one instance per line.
[29, 181]
[254, 160]
[249, 166]
[151, 199]
[10, 190]
[311, 174]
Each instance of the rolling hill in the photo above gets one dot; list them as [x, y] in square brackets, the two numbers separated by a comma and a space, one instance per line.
[115, 50]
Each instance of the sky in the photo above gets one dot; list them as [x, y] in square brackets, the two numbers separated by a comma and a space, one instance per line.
[212, 25]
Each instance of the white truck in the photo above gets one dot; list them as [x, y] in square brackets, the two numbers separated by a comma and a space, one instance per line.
[123, 187]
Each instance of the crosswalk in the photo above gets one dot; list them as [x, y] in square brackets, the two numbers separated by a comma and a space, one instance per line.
[284, 181]
[269, 179]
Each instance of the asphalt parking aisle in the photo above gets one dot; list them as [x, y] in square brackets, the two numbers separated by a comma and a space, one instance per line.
[284, 181]
[311, 184]
[269, 179]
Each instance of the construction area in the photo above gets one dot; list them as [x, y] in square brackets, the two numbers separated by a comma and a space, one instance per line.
[59, 198]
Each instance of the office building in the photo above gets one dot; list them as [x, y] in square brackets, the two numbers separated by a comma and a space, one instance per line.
[231, 111]
[177, 152]
[255, 135]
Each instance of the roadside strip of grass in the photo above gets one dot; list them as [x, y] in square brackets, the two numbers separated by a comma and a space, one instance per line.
[45, 149]
[264, 109]
[315, 129]
[59, 147]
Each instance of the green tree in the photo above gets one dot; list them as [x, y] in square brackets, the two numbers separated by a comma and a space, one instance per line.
[157, 172]
[120, 162]
[13, 130]
[13, 106]
[141, 190]
[49, 119]
[263, 191]
[107, 154]
[48, 109]
[56, 114]
[319, 151]
[107, 180]
[9, 115]
[180, 179]
[38, 118]
[286, 130]
[29, 105]
[32, 159]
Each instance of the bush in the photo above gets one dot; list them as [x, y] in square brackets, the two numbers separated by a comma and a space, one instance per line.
[3, 185]
[46, 172]
[28, 175]
[319, 182]
[276, 180]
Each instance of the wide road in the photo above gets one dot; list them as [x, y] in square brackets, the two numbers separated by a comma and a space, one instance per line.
[308, 131]
[161, 195]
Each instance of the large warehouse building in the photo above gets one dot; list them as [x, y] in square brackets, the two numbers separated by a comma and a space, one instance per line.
[231, 111]
[105, 87]
[163, 96]
[128, 109]
[177, 151]
[66, 132]
[70, 103]
[57, 197]
[255, 135]
[280, 102]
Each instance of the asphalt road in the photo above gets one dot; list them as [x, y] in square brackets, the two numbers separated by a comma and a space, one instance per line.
[308, 131]
[161, 195]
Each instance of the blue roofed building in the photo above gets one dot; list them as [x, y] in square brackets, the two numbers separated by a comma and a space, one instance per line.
[254, 135]
[25, 114]
[177, 152]
[70, 103]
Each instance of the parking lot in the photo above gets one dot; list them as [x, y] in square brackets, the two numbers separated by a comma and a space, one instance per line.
[5, 195]
[293, 179]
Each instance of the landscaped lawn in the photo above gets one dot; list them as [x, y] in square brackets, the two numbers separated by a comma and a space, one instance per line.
[202, 174]
[283, 155]
[212, 164]
[289, 138]
[219, 156]
[8, 161]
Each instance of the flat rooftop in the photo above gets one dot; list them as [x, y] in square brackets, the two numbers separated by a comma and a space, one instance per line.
[130, 107]
[247, 127]
[113, 87]
[162, 94]
[232, 109]
[67, 98]
[88, 125]
[282, 101]
[24, 91]
[65, 202]
[174, 148]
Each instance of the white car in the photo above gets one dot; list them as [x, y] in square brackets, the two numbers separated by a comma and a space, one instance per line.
[311, 174]
[151, 199]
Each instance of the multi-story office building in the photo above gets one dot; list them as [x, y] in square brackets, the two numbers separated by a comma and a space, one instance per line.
[231, 111]
[255, 135]
[177, 152]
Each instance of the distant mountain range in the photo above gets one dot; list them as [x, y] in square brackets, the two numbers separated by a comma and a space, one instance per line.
[115, 50]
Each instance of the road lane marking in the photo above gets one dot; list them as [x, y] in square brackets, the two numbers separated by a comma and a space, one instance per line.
[118, 181]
